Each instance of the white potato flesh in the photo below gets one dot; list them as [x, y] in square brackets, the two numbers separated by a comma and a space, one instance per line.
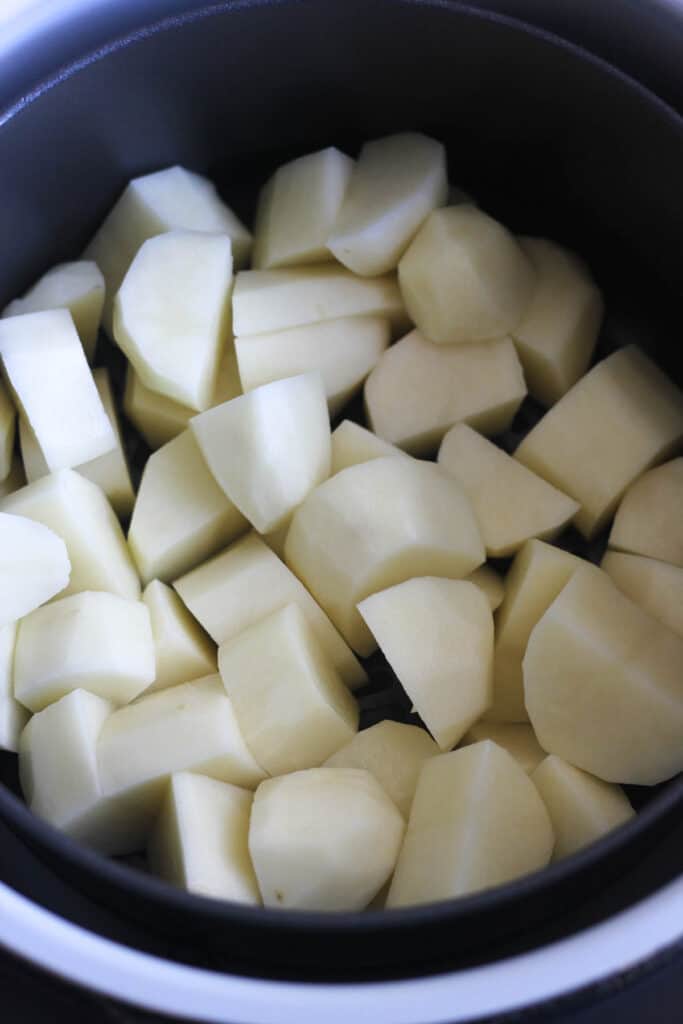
[13, 717]
[150, 205]
[323, 839]
[656, 586]
[182, 649]
[78, 512]
[15, 479]
[477, 821]
[517, 738]
[269, 448]
[394, 753]
[8, 422]
[243, 585]
[92, 641]
[343, 351]
[511, 503]
[54, 389]
[181, 515]
[620, 419]
[377, 524]
[557, 334]
[397, 181]
[76, 286]
[34, 566]
[418, 390]
[200, 841]
[297, 208]
[272, 300]
[537, 575]
[581, 807]
[595, 651]
[649, 520]
[290, 702]
[464, 278]
[352, 444]
[488, 580]
[437, 635]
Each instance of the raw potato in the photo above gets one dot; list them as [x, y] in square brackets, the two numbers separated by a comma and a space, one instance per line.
[181, 515]
[396, 183]
[78, 512]
[78, 287]
[92, 641]
[200, 840]
[290, 702]
[437, 635]
[297, 208]
[581, 807]
[8, 422]
[394, 753]
[464, 277]
[477, 821]
[173, 198]
[323, 839]
[34, 566]
[488, 580]
[649, 520]
[377, 524]
[15, 479]
[43, 360]
[13, 717]
[517, 738]
[603, 685]
[352, 444]
[510, 502]
[624, 416]
[183, 651]
[343, 351]
[269, 448]
[557, 334]
[656, 586]
[239, 587]
[419, 390]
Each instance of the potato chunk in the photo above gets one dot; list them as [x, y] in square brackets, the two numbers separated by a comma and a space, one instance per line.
[419, 390]
[517, 738]
[323, 839]
[437, 635]
[8, 423]
[377, 524]
[464, 277]
[617, 421]
[182, 649]
[488, 580]
[13, 717]
[34, 566]
[476, 821]
[603, 685]
[352, 444]
[649, 520]
[656, 586]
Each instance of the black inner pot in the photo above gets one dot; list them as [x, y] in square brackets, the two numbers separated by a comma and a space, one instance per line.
[548, 139]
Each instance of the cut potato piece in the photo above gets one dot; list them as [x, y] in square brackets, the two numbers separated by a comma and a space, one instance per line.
[47, 370]
[394, 753]
[15, 479]
[78, 512]
[557, 334]
[437, 635]
[181, 515]
[352, 444]
[92, 641]
[269, 448]
[290, 702]
[419, 390]
[151, 205]
[78, 287]
[239, 587]
[510, 502]
[200, 840]
[183, 651]
[13, 717]
[323, 839]
[464, 277]
[488, 580]
[377, 524]
[8, 422]
[396, 183]
[272, 300]
[649, 520]
[581, 807]
[297, 208]
[517, 738]
[624, 416]
[476, 821]
[343, 351]
[34, 566]
[656, 586]
[603, 685]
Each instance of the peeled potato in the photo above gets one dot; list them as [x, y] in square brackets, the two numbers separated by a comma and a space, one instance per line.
[13, 717]
[182, 649]
[488, 580]
[656, 586]
[352, 444]
[34, 566]
[517, 738]
[649, 520]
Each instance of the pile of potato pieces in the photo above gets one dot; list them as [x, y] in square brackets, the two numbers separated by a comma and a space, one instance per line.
[188, 689]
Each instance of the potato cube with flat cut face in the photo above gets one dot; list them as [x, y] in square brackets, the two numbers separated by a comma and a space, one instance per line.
[352, 444]
[13, 716]
[656, 586]
[182, 649]
[34, 566]
[8, 422]
[488, 580]
[649, 520]
[517, 738]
